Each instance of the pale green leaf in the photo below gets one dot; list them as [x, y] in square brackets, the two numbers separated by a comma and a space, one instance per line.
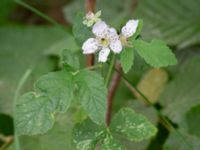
[131, 125]
[57, 86]
[92, 93]
[34, 114]
[70, 59]
[174, 21]
[127, 58]
[86, 135]
[156, 53]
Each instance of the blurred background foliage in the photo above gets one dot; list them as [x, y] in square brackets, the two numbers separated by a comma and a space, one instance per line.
[28, 41]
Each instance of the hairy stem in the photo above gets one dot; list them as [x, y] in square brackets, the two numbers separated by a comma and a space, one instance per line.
[111, 92]
[90, 6]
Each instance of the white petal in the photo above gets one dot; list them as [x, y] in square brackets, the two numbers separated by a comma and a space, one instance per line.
[116, 46]
[103, 55]
[130, 28]
[100, 29]
[113, 34]
[90, 46]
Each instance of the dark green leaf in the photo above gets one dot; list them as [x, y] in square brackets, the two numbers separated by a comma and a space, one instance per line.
[156, 53]
[133, 126]
[127, 58]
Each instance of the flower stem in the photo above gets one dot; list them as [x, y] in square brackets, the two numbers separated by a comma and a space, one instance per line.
[110, 70]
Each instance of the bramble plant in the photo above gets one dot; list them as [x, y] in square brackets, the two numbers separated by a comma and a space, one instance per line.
[54, 92]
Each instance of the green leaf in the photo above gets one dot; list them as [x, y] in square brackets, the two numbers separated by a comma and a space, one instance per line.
[191, 121]
[58, 138]
[70, 59]
[167, 20]
[86, 135]
[182, 93]
[156, 53]
[176, 142]
[25, 52]
[80, 31]
[35, 110]
[34, 114]
[109, 143]
[133, 126]
[127, 58]
[92, 93]
[58, 86]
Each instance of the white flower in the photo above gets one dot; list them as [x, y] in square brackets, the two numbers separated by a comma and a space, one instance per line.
[91, 18]
[128, 30]
[106, 40]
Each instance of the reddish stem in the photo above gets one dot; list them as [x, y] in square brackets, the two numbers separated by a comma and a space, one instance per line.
[111, 92]
[90, 6]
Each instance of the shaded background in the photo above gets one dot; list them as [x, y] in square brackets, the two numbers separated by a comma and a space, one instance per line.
[28, 41]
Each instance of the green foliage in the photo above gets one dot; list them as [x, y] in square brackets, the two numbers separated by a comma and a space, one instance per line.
[58, 87]
[127, 58]
[133, 126]
[192, 119]
[182, 93]
[156, 53]
[92, 93]
[25, 52]
[175, 21]
[54, 93]
[86, 135]
[70, 59]
[109, 143]
[34, 114]
[80, 31]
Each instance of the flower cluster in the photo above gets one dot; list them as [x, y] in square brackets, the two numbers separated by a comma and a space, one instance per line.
[106, 38]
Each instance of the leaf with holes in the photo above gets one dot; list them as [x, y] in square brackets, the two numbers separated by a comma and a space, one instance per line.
[131, 125]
